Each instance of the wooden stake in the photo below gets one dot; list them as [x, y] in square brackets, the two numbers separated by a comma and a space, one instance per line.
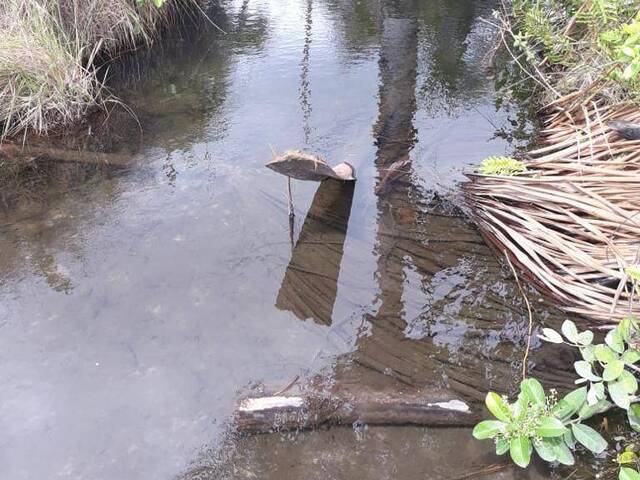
[290, 198]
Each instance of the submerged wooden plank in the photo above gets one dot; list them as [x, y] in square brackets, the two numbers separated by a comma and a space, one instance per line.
[337, 404]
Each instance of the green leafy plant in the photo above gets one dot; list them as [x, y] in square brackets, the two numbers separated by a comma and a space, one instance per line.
[633, 272]
[623, 46]
[607, 367]
[498, 165]
[538, 422]
[157, 3]
[552, 428]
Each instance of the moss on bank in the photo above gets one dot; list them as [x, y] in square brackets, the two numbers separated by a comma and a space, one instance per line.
[48, 51]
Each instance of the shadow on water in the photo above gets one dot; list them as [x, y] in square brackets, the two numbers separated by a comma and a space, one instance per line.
[310, 282]
[136, 302]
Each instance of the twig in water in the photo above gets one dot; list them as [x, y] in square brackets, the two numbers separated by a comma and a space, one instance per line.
[526, 300]
[290, 198]
[289, 385]
[489, 469]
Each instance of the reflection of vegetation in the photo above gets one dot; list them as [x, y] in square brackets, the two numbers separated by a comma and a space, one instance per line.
[181, 85]
[357, 21]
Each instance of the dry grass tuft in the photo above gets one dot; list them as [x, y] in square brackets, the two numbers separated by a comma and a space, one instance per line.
[47, 53]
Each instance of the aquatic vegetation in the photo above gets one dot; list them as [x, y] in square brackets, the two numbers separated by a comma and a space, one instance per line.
[502, 166]
[554, 427]
[47, 53]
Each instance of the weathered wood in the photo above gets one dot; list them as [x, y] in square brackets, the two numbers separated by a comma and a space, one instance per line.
[304, 166]
[78, 156]
[312, 407]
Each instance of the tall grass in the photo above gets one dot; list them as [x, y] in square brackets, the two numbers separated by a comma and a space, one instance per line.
[48, 77]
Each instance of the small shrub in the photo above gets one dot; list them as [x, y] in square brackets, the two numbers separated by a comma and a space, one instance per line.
[551, 427]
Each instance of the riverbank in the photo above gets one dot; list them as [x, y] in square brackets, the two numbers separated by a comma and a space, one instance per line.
[568, 217]
[51, 51]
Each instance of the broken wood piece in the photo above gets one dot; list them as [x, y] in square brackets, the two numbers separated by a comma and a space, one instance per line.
[302, 408]
[304, 166]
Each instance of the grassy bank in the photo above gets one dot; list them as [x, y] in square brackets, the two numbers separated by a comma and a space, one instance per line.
[48, 52]
[582, 48]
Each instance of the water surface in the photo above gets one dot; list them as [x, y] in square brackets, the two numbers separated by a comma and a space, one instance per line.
[137, 302]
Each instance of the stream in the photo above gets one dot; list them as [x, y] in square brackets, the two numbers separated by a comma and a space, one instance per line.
[138, 302]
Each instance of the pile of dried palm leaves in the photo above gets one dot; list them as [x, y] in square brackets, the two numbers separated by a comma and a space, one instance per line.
[571, 221]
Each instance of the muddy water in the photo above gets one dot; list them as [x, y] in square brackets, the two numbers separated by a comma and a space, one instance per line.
[136, 302]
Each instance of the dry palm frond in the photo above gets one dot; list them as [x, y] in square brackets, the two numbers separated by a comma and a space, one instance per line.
[571, 223]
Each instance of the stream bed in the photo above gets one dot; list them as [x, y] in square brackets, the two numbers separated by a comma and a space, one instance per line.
[137, 302]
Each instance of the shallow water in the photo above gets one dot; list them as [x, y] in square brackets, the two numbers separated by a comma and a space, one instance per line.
[137, 302]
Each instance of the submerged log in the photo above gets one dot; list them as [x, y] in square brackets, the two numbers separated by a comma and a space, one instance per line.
[78, 156]
[307, 408]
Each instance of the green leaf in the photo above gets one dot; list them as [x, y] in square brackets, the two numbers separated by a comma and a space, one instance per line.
[158, 3]
[569, 439]
[628, 382]
[488, 429]
[550, 335]
[544, 449]
[570, 404]
[588, 353]
[550, 427]
[613, 370]
[588, 411]
[631, 356]
[627, 473]
[599, 389]
[618, 394]
[519, 408]
[627, 457]
[627, 327]
[570, 331]
[520, 451]
[634, 417]
[585, 338]
[615, 341]
[588, 437]
[563, 454]
[498, 407]
[502, 446]
[584, 370]
[631, 71]
[604, 354]
[596, 391]
[533, 390]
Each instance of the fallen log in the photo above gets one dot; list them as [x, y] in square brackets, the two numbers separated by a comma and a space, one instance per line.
[308, 408]
[31, 152]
